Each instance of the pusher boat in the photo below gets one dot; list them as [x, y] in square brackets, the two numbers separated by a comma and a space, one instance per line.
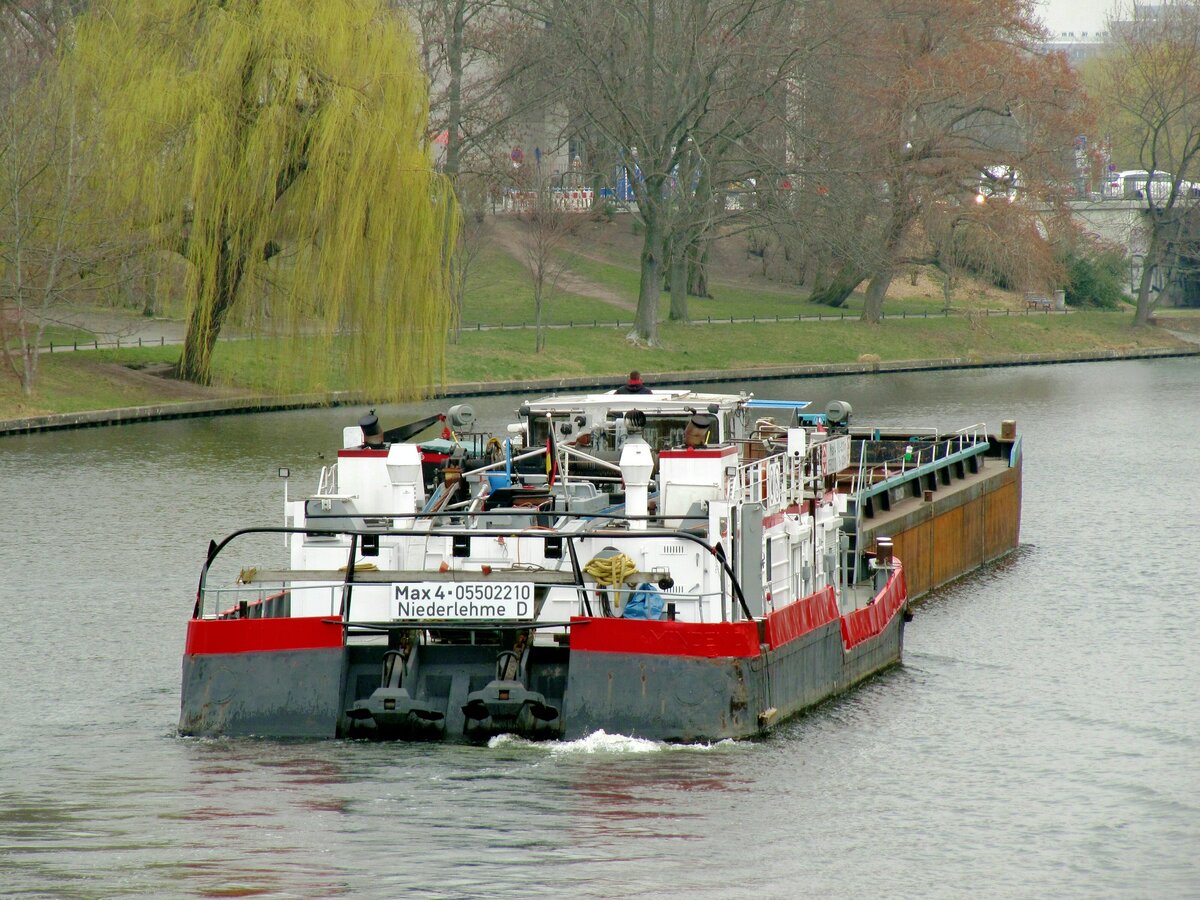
[677, 565]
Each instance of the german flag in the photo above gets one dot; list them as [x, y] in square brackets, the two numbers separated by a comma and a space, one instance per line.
[551, 457]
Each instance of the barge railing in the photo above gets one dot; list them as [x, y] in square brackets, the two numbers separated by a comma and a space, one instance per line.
[963, 447]
[356, 574]
[914, 456]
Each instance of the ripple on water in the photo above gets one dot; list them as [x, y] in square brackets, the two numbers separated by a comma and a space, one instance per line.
[1040, 739]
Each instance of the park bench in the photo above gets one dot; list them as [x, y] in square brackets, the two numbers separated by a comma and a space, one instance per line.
[1036, 301]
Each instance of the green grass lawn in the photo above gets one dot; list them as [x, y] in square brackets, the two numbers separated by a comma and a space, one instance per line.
[583, 351]
[500, 292]
[62, 336]
[92, 379]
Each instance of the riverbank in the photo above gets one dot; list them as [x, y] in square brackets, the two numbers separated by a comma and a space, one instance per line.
[232, 403]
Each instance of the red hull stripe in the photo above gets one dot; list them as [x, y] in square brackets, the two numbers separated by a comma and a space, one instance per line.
[869, 621]
[801, 617]
[361, 452]
[709, 640]
[740, 639]
[206, 636]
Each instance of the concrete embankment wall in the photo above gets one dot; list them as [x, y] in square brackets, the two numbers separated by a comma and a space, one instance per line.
[233, 405]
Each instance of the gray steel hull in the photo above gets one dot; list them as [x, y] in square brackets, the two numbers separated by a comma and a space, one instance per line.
[690, 699]
[306, 693]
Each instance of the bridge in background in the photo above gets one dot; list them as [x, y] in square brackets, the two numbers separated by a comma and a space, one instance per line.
[1126, 224]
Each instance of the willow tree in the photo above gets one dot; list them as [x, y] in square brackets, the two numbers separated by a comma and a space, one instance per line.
[280, 145]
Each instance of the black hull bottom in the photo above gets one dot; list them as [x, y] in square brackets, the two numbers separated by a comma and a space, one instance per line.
[308, 693]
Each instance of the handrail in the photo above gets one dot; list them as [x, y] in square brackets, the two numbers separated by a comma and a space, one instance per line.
[215, 548]
[955, 442]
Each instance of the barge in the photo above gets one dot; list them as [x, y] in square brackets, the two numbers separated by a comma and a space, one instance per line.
[678, 566]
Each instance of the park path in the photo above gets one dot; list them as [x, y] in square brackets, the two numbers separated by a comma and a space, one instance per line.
[508, 239]
[127, 326]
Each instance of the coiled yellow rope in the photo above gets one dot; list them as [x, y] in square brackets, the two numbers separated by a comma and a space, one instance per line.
[610, 570]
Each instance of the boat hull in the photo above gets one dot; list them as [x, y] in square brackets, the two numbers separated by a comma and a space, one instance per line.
[669, 681]
[273, 693]
[278, 677]
[688, 699]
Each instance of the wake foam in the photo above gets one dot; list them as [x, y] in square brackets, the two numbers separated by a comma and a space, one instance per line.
[600, 742]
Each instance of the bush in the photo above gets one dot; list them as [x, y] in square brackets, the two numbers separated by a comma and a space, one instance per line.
[1095, 278]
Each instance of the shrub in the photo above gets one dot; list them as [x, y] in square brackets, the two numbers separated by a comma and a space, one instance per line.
[1095, 278]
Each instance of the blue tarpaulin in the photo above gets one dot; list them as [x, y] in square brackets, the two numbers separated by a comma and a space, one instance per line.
[646, 603]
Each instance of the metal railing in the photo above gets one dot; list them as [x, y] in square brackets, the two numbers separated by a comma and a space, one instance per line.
[261, 602]
[730, 584]
[761, 481]
[917, 453]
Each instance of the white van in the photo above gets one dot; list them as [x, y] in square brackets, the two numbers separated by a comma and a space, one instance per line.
[1131, 185]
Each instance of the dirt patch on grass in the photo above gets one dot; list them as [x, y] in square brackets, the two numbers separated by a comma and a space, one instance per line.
[159, 379]
[508, 235]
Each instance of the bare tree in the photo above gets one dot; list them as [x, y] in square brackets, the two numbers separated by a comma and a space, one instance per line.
[475, 84]
[923, 99]
[657, 87]
[1151, 84]
[50, 249]
[546, 226]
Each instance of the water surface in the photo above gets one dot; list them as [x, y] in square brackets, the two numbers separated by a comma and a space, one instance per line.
[1041, 738]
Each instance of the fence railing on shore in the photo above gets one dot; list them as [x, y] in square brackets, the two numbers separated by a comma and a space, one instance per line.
[96, 344]
[833, 316]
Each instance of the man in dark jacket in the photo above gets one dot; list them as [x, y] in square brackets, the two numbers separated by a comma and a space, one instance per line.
[634, 384]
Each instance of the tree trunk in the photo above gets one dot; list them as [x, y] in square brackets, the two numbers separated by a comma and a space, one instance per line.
[645, 326]
[679, 281]
[29, 354]
[195, 362]
[882, 277]
[876, 290]
[538, 340]
[454, 65]
[698, 268]
[839, 289]
[1155, 257]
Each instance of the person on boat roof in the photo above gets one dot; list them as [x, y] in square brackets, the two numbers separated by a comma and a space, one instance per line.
[372, 432]
[634, 384]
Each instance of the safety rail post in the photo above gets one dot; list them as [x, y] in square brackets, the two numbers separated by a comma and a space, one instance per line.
[348, 584]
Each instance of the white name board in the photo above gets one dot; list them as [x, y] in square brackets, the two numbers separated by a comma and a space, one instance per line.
[464, 600]
[835, 454]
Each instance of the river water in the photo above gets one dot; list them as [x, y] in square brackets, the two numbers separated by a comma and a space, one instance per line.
[1042, 737]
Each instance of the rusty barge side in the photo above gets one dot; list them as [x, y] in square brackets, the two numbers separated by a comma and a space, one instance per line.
[947, 517]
